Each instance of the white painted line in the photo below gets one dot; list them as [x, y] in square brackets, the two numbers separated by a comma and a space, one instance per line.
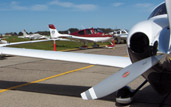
[92, 93]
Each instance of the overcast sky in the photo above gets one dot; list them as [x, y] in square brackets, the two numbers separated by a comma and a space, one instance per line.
[35, 15]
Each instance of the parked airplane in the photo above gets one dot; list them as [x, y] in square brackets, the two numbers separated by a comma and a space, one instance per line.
[3, 41]
[32, 36]
[84, 36]
[144, 41]
[120, 35]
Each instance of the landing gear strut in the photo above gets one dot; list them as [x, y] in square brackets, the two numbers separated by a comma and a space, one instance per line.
[95, 45]
[125, 95]
[84, 46]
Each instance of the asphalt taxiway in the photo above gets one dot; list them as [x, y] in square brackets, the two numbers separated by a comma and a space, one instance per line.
[31, 82]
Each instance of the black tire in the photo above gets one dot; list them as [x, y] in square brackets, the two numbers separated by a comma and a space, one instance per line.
[124, 96]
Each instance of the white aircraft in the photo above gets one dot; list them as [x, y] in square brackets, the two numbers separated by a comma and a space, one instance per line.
[120, 35]
[84, 36]
[3, 41]
[32, 36]
[144, 41]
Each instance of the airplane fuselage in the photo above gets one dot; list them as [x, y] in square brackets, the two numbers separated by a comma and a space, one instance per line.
[91, 34]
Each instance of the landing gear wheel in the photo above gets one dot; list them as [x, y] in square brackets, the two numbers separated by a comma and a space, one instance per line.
[124, 96]
[118, 40]
[124, 41]
[95, 46]
[84, 47]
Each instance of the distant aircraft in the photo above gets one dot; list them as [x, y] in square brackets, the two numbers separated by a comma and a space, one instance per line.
[33, 36]
[120, 35]
[3, 41]
[144, 41]
[84, 36]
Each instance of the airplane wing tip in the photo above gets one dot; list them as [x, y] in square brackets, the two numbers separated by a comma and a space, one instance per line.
[84, 96]
[89, 95]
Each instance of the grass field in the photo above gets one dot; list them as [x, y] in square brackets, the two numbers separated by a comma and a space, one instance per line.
[60, 45]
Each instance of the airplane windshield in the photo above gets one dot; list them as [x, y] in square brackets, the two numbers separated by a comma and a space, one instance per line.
[81, 32]
[160, 10]
[89, 32]
[98, 31]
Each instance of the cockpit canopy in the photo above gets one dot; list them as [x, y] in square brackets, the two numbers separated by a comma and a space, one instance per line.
[98, 31]
[160, 10]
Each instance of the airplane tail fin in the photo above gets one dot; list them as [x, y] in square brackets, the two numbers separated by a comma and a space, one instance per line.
[24, 32]
[53, 32]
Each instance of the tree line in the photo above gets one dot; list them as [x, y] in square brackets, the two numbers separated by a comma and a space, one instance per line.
[70, 30]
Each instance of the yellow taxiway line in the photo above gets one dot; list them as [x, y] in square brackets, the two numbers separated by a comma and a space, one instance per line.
[74, 49]
[22, 85]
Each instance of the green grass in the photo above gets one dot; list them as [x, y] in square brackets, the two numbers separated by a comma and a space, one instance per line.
[11, 39]
[60, 45]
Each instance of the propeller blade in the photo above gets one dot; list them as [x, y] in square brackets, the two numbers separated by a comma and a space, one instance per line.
[120, 78]
[168, 8]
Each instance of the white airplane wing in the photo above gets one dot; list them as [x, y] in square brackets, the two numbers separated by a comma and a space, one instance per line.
[35, 41]
[21, 37]
[88, 39]
[115, 61]
[24, 42]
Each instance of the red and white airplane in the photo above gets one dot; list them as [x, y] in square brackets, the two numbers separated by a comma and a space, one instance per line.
[144, 41]
[84, 36]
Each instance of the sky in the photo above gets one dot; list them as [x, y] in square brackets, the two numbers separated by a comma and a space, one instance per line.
[35, 15]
